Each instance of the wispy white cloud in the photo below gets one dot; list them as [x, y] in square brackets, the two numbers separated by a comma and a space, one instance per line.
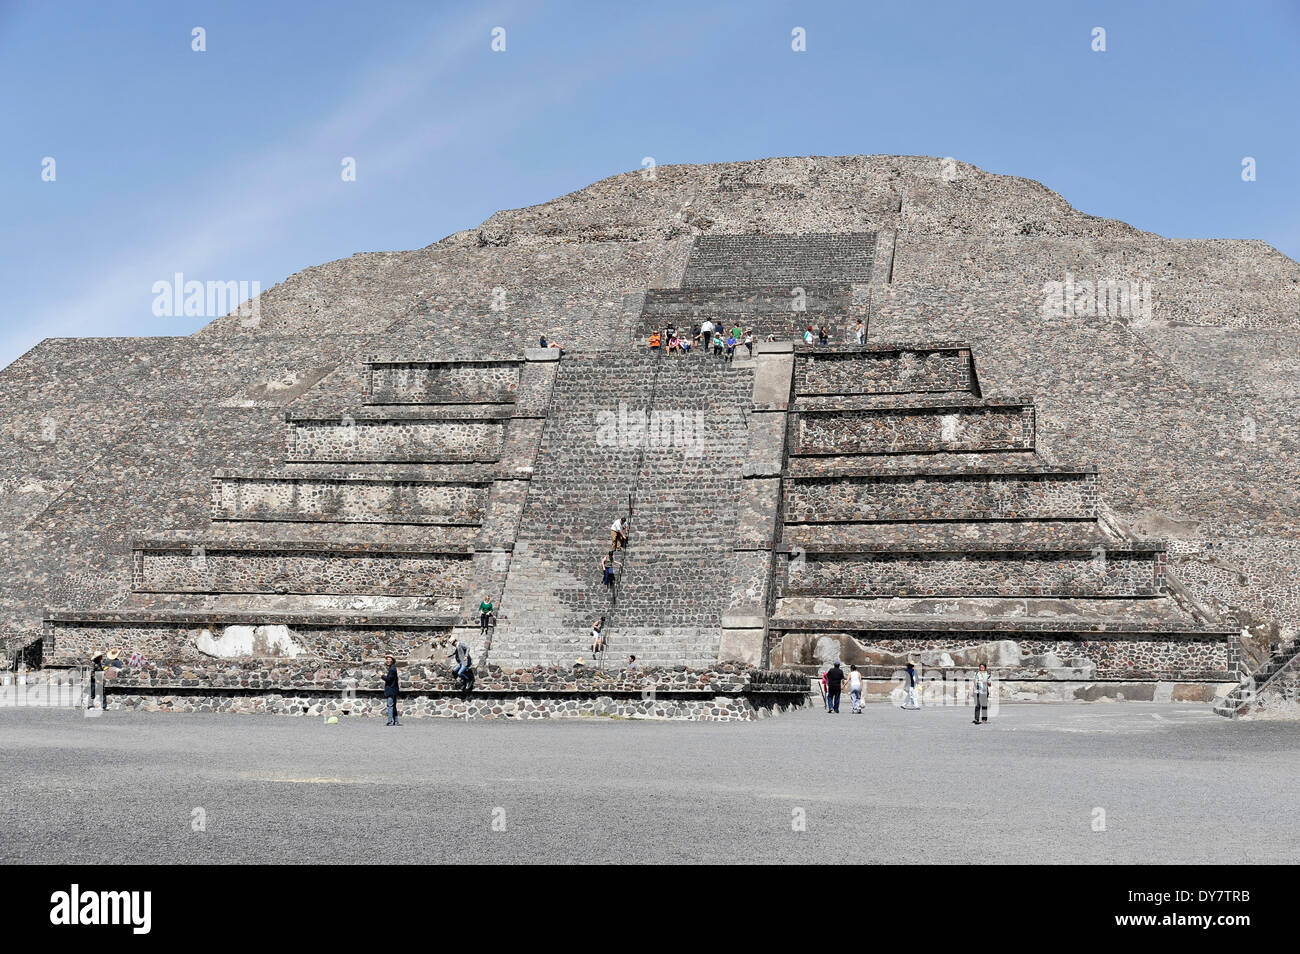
[258, 199]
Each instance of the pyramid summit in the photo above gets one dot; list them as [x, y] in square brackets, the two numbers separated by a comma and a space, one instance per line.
[1061, 447]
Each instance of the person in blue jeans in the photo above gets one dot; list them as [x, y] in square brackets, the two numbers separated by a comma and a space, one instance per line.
[391, 690]
[834, 683]
[463, 662]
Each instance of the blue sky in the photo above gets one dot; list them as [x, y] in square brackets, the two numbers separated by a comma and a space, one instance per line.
[225, 164]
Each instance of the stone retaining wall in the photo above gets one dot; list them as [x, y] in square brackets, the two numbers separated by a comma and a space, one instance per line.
[862, 371]
[956, 496]
[985, 573]
[1189, 656]
[71, 642]
[427, 382]
[347, 500]
[726, 693]
[775, 259]
[395, 440]
[358, 571]
[914, 430]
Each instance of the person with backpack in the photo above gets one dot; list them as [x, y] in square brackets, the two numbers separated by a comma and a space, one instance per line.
[607, 571]
[391, 690]
[981, 688]
[834, 682]
[855, 690]
[598, 637]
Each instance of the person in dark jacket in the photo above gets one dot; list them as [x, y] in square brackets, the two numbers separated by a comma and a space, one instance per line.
[464, 661]
[834, 682]
[391, 688]
[97, 668]
[911, 699]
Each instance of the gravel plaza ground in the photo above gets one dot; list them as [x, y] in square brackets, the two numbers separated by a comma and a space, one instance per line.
[1176, 783]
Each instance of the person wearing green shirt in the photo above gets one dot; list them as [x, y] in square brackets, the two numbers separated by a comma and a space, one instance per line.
[484, 613]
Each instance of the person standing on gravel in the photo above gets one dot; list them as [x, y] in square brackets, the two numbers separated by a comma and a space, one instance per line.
[834, 683]
[391, 690]
[855, 691]
[97, 678]
[981, 689]
[909, 684]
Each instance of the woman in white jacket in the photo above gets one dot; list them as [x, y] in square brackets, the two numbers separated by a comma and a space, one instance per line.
[855, 690]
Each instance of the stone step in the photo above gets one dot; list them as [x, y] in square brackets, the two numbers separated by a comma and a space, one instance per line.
[203, 566]
[396, 438]
[347, 498]
[453, 472]
[704, 301]
[928, 463]
[1260, 684]
[541, 648]
[953, 536]
[875, 369]
[457, 381]
[673, 572]
[781, 310]
[977, 615]
[780, 259]
[914, 426]
[431, 536]
[179, 636]
[976, 570]
[950, 652]
[1041, 492]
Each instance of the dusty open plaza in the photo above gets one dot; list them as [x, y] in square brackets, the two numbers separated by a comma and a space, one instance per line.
[1176, 783]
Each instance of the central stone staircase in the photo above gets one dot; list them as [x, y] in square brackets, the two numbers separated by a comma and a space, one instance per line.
[660, 439]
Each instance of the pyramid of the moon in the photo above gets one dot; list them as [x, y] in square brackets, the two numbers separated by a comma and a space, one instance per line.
[1064, 446]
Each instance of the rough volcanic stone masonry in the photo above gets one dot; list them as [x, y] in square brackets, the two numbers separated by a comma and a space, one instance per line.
[1028, 462]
